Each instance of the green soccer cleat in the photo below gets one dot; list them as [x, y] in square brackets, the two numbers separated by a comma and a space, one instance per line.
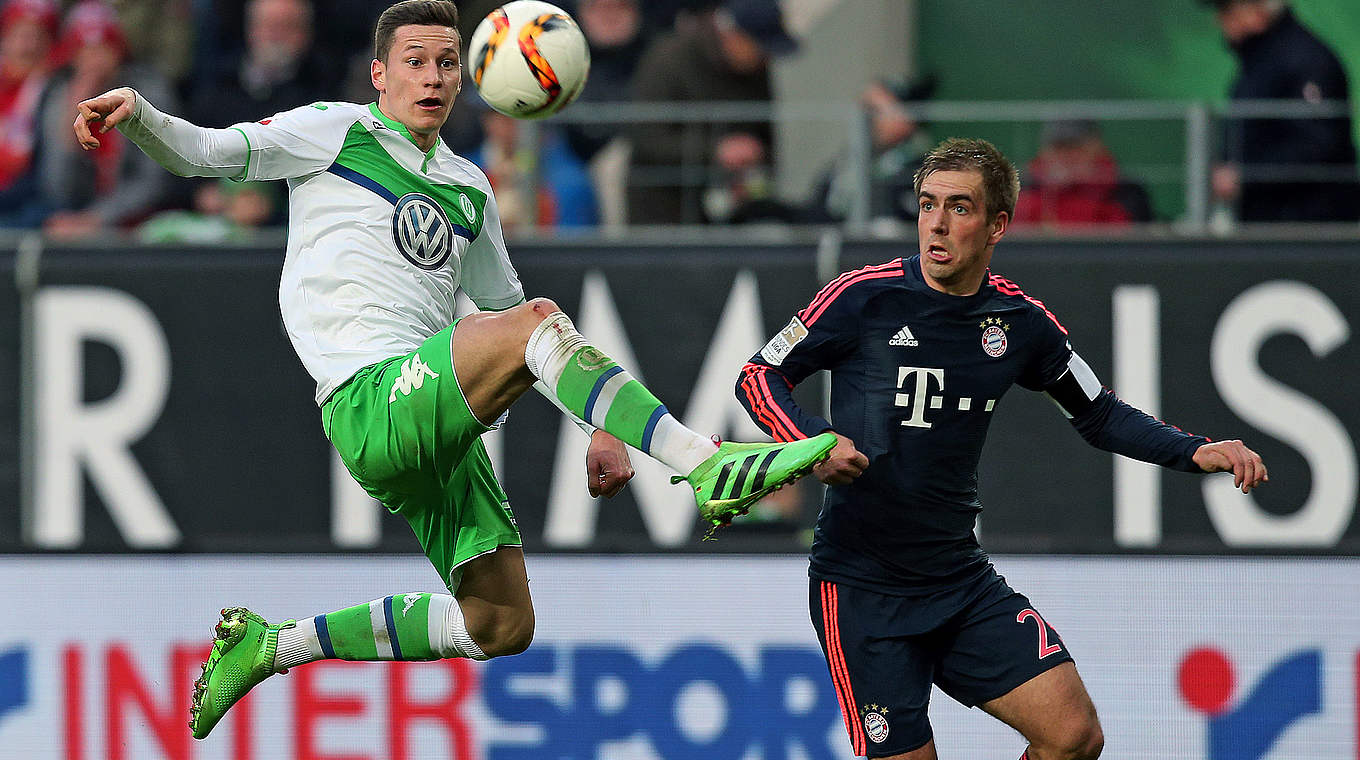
[242, 656]
[740, 474]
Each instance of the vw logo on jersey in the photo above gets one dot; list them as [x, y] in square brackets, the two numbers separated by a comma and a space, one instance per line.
[422, 232]
[469, 209]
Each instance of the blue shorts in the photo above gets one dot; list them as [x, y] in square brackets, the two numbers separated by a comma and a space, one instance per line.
[883, 662]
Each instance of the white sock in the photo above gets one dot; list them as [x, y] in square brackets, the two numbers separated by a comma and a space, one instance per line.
[454, 639]
[298, 645]
[679, 447]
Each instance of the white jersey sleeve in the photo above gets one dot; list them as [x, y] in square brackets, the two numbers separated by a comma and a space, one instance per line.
[489, 278]
[182, 147]
[297, 143]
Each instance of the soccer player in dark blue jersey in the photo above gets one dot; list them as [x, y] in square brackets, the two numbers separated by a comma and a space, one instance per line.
[920, 349]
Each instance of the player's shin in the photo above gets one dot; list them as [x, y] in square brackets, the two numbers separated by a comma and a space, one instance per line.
[599, 391]
[417, 626]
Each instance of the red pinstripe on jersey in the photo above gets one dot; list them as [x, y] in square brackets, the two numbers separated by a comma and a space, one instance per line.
[1011, 289]
[755, 384]
[828, 294]
[840, 673]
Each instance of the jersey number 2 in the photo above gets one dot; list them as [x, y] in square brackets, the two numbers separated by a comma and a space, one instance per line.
[1045, 648]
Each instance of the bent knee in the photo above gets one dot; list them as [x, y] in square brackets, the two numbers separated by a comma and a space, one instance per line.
[542, 306]
[1084, 741]
[508, 634]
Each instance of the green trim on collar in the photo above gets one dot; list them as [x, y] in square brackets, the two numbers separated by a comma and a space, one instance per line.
[390, 122]
[404, 132]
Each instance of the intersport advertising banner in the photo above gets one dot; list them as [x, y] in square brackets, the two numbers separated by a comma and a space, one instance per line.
[662, 658]
[160, 407]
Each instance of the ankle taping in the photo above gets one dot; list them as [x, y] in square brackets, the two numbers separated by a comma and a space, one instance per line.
[550, 345]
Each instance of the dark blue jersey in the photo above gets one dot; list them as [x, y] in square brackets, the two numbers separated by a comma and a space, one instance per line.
[916, 376]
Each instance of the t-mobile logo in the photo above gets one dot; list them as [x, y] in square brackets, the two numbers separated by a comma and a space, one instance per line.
[915, 398]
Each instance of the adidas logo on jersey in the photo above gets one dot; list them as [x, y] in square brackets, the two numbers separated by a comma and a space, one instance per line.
[904, 338]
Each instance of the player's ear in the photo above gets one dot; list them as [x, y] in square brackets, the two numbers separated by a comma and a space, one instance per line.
[377, 72]
[1000, 222]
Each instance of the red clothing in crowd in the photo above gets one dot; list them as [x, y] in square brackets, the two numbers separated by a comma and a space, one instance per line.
[1063, 192]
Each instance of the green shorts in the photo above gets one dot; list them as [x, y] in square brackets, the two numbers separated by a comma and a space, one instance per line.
[404, 430]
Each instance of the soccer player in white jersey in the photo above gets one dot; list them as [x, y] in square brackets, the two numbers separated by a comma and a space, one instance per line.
[385, 223]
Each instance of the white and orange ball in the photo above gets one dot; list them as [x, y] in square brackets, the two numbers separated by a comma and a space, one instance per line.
[528, 59]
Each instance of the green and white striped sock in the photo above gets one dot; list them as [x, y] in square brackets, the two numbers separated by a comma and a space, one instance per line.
[417, 626]
[599, 391]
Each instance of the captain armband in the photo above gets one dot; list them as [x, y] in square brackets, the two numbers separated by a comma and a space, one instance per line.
[1076, 390]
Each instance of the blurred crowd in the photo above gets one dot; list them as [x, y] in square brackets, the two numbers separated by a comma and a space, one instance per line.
[218, 62]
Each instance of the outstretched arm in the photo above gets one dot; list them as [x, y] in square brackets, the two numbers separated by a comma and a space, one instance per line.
[1108, 423]
[181, 147]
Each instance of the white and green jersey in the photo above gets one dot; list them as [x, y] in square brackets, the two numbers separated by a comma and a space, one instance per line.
[380, 235]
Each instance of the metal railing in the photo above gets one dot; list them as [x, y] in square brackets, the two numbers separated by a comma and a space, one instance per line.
[1187, 164]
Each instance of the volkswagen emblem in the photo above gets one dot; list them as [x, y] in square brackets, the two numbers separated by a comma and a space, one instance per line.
[422, 232]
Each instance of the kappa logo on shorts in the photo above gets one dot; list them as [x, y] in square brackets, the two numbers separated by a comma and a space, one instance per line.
[412, 377]
[875, 720]
[408, 602]
[422, 232]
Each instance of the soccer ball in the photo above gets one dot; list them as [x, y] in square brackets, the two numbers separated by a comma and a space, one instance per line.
[529, 59]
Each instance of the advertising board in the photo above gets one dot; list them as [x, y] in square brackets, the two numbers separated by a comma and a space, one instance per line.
[649, 658]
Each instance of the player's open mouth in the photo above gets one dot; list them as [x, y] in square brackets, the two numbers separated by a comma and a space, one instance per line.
[937, 252]
[430, 104]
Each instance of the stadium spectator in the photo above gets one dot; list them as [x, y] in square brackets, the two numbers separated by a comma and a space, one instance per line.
[276, 71]
[26, 31]
[716, 54]
[225, 211]
[115, 185]
[659, 16]
[1075, 182]
[902, 595]
[537, 186]
[160, 34]
[898, 145]
[614, 29]
[1285, 170]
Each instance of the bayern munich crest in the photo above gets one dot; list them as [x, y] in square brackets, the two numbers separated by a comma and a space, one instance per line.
[421, 231]
[994, 340]
[875, 723]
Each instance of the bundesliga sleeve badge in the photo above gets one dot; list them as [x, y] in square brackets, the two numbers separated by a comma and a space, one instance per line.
[780, 345]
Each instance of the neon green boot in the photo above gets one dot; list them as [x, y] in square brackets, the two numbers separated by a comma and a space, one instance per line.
[740, 474]
[242, 656]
